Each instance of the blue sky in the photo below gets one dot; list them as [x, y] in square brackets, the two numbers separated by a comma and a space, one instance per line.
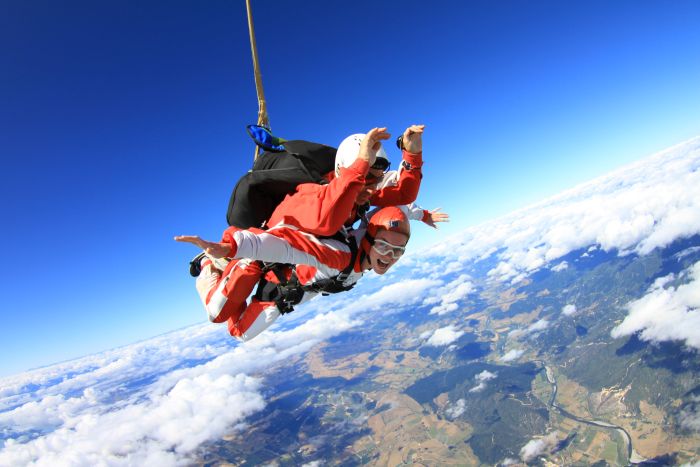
[122, 124]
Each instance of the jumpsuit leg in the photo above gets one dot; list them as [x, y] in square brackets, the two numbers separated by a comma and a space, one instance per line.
[257, 317]
[224, 294]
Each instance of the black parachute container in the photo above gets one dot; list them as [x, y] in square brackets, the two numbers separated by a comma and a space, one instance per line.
[273, 176]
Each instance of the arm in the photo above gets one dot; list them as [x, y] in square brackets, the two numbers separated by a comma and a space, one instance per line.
[323, 209]
[415, 212]
[285, 245]
[277, 245]
[405, 190]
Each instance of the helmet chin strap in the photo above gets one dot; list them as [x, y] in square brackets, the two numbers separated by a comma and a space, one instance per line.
[363, 256]
[369, 238]
[364, 250]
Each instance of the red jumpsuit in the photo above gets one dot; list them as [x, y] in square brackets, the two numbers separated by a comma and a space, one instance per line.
[324, 209]
[321, 210]
[224, 293]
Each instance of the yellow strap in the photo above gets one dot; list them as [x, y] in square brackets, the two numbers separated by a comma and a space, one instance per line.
[263, 119]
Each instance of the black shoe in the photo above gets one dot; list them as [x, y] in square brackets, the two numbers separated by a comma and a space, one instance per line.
[196, 265]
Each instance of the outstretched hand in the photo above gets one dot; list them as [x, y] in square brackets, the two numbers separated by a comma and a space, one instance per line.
[436, 216]
[413, 139]
[371, 144]
[213, 249]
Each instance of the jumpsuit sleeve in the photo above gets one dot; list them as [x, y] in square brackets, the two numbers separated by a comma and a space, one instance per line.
[286, 245]
[415, 212]
[323, 209]
[406, 189]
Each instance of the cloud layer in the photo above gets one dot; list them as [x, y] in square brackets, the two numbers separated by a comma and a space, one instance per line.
[161, 423]
[156, 402]
[666, 313]
[637, 208]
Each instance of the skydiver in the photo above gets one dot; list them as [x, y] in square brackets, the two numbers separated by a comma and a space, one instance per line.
[322, 265]
[324, 210]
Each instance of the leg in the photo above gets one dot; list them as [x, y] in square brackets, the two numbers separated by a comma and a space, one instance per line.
[224, 294]
[257, 317]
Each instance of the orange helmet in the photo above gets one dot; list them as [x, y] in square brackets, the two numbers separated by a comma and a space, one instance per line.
[391, 218]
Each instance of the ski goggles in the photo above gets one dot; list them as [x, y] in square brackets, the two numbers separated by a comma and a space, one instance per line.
[385, 248]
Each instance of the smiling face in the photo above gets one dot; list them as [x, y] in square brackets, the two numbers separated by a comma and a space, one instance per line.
[372, 179]
[381, 263]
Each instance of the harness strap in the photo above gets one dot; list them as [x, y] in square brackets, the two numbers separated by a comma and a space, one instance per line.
[362, 213]
[289, 292]
[285, 293]
[352, 244]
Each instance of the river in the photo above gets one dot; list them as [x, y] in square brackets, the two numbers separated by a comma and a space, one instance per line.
[632, 456]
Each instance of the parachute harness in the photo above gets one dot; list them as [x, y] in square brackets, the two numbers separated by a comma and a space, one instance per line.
[289, 292]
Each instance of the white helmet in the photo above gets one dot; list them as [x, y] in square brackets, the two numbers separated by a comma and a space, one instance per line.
[349, 149]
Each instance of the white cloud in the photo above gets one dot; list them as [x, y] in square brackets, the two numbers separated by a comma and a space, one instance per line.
[161, 429]
[485, 376]
[368, 298]
[399, 293]
[451, 293]
[689, 417]
[444, 336]
[686, 252]
[200, 385]
[666, 313]
[456, 410]
[481, 378]
[457, 289]
[537, 326]
[96, 415]
[511, 355]
[537, 447]
[637, 208]
[443, 308]
[569, 310]
[195, 385]
[453, 266]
